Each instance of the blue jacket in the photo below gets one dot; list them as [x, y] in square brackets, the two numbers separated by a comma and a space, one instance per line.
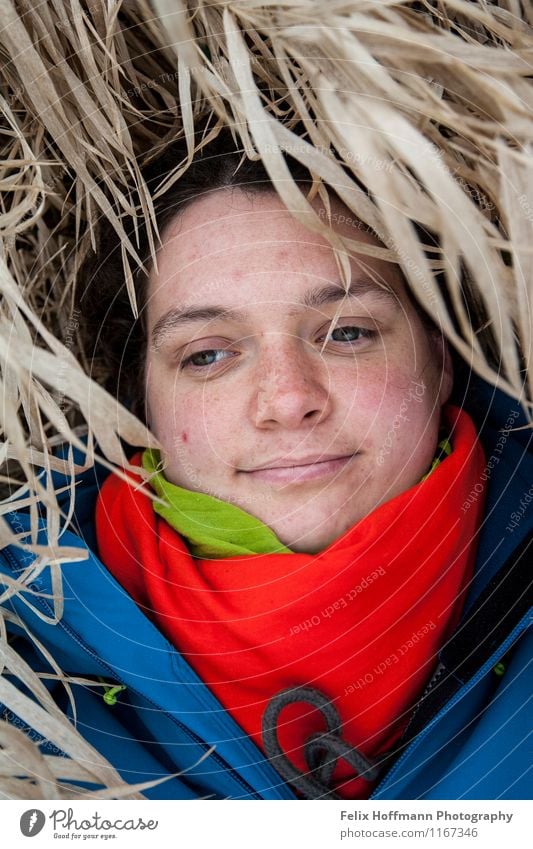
[467, 737]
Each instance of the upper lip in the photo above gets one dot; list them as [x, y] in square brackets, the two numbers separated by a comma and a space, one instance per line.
[290, 462]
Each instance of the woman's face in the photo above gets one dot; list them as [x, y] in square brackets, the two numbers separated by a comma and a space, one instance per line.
[257, 399]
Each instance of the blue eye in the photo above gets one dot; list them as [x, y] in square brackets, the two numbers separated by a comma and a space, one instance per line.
[350, 333]
[203, 359]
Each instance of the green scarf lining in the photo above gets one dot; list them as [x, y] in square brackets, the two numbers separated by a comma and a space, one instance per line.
[211, 527]
[214, 528]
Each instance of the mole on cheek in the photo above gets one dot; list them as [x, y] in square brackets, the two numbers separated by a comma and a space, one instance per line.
[184, 437]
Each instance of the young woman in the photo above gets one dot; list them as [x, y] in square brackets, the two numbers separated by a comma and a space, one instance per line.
[325, 589]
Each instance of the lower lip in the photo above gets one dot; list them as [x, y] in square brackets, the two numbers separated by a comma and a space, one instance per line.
[302, 474]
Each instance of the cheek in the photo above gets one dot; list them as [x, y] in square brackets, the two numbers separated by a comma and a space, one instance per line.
[374, 395]
[406, 430]
[391, 406]
[195, 428]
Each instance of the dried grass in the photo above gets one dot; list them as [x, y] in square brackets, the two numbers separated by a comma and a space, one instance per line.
[428, 105]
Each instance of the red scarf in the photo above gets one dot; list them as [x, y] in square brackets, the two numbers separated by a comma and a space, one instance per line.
[361, 621]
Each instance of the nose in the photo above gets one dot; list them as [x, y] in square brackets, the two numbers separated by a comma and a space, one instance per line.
[292, 389]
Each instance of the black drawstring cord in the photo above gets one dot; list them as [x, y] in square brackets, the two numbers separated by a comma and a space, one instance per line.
[321, 751]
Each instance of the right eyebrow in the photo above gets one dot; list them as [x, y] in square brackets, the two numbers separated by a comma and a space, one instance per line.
[178, 316]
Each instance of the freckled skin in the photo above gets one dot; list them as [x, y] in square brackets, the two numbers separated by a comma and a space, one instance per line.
[275, 393]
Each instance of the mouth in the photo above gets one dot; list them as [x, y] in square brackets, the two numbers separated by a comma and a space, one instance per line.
[300, 471]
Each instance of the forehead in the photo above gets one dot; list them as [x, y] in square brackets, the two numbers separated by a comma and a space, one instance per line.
[248, 245]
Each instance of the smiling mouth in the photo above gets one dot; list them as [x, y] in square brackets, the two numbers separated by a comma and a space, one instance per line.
[300, 471]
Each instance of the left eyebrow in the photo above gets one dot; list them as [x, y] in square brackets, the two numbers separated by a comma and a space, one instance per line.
[332, 293]
[329, 294]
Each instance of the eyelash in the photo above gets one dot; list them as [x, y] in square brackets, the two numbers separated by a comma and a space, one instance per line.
[364, 333]
[187, 362]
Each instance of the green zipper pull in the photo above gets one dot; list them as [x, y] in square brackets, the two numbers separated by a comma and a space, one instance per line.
[110, 695]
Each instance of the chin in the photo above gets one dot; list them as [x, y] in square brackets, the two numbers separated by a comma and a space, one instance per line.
[313, 534]
[310, 542]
